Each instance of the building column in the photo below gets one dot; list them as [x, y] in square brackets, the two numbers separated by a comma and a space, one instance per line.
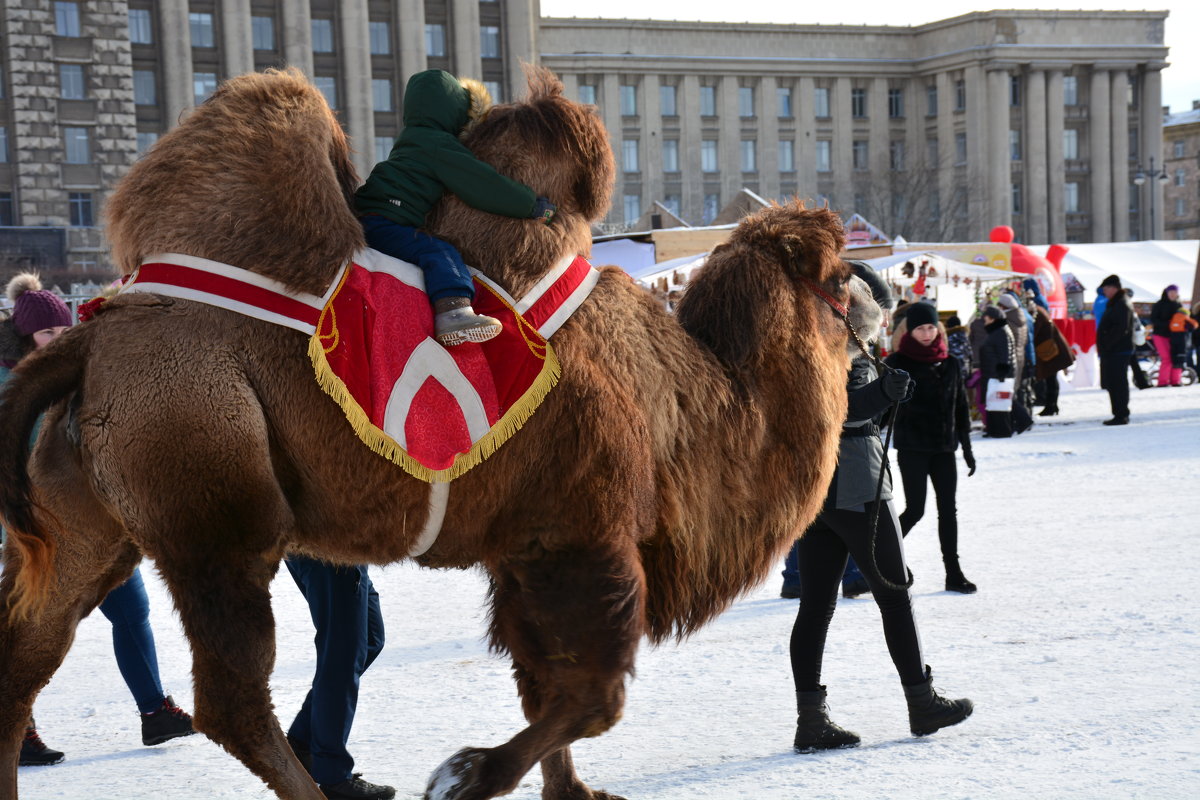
[842, 145]
[1100, 156]
[730, 146]
[1119, 111]
[520, 36]
[946, 169]
[650, 142]
[237, 44]
[768, 139]
[1152, 147]
[610, 112]
[999, 161]
[179, 93]
[467, 57]
[1056, 169]
[357, 103]
[1035, 158]
[297, 35]
[806, 148]
[691, 200]
[410, 16]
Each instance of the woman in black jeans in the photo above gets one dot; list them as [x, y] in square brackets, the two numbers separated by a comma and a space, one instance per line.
[927, 431]
[844, 528]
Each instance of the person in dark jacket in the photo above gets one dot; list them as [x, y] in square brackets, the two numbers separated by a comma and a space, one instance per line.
[426, 161]
[1164, 309]
[1114, 345]
[1051, 350]
[844, 527]
[997, 355]
[958, 344]
[928, 429]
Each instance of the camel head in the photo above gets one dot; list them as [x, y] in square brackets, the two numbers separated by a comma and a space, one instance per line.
[258, 176]
[757, 292]
[558, 148]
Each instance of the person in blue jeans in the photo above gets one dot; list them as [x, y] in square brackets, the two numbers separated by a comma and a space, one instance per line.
[345, 610]
[38, 318]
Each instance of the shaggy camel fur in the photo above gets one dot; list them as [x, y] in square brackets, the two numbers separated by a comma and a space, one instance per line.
[664, 475]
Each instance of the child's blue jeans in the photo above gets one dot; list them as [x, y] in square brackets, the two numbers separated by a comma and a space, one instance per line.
[445, 273]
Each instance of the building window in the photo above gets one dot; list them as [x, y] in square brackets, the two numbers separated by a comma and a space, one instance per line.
[1014, 90]
[824, 155]
[322, 35]
[383, 147]
[712, 207]
[787, 156]
[435, 40]
[1014, 145]
[66, 19]
[821, 102]
[895, 103]
[633, 207]
[1179, 149]
[140, 29]
[1179, 207]
[858, 103]
[201, 26]
[960, 95]
[1016, 198]
[1180, 177]
[203, 85]
[708, 101]
[670, 155]
[145, 89]
[1070, 143]
[931, 100]
[629, 155]
[381, 94]
[587, 94]
[327, 85]
[489, 41]
[666, 99]
[3, 145]
[1070, 90]
[749, 153]
[70, 81]
[381, 37]
[628, 100]
[671, 203]
[745, 101]
[960, 148]
[896, 155]
[6, 210]
[708, 155]
[783, 97]
[81, 209]
[262, 32]
[145, 140]
[1071, 199]
[859, 154]
[78, 151]
[495, 89]
[931, 152]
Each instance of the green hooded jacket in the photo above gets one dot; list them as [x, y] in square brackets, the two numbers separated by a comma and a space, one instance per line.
[428, 159]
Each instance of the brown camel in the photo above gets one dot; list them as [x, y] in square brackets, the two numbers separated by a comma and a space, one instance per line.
[662, 477]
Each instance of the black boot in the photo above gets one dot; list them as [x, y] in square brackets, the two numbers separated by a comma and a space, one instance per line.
[355, 788]
[956, 581]
[814, 730]
[1048, 411]
[34, 752]
[929, 712]
[168, 722]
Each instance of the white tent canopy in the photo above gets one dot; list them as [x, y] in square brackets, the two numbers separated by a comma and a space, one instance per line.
[685, 265]
[1145, 267]
[947, 268]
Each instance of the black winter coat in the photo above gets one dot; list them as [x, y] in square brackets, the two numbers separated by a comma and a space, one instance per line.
[936, 419]
[998, 353]
[1114, 335]
[1161, 313]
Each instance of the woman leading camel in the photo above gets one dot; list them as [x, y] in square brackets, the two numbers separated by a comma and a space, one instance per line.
[844, 528]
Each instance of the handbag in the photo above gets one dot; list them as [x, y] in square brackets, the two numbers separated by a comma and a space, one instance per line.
[1047, 350]
[1139, 332]
[999, 395]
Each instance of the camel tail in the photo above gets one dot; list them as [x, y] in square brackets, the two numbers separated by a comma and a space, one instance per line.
[40, 380]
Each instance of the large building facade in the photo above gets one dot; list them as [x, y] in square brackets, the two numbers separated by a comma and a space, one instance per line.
[1181, 171]
[1035, 119]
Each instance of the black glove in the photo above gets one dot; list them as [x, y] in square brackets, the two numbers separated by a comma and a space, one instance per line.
[969, 457]
[544, 210]
[896, 385]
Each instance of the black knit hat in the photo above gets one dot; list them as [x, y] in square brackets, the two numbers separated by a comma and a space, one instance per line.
[921, 313]
[1111, 280]
[993, 312]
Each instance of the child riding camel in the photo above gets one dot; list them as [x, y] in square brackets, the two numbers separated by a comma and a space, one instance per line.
[427, 160]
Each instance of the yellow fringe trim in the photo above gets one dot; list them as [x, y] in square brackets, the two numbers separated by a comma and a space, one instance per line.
[379, 442]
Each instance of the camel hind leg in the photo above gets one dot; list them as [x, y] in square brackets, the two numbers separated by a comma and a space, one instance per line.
[571, 620]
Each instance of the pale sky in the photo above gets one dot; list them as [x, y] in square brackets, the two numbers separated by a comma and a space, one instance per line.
[1181, 81]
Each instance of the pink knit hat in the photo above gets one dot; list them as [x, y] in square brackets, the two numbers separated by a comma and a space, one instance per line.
[35, 309]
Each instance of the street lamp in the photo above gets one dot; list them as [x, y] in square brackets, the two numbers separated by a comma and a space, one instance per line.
[1142, 176]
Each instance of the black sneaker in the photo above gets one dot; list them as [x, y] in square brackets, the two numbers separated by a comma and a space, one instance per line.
[357, 789]
[1116, 421]
[168, 722]
[34, 752]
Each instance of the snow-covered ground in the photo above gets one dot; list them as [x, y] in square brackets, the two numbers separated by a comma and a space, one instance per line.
[1080, 652]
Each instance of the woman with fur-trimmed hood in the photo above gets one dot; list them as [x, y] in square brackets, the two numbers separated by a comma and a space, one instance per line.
[426, 161]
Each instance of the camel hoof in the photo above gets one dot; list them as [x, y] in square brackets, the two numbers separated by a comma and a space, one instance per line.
[456, 776]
